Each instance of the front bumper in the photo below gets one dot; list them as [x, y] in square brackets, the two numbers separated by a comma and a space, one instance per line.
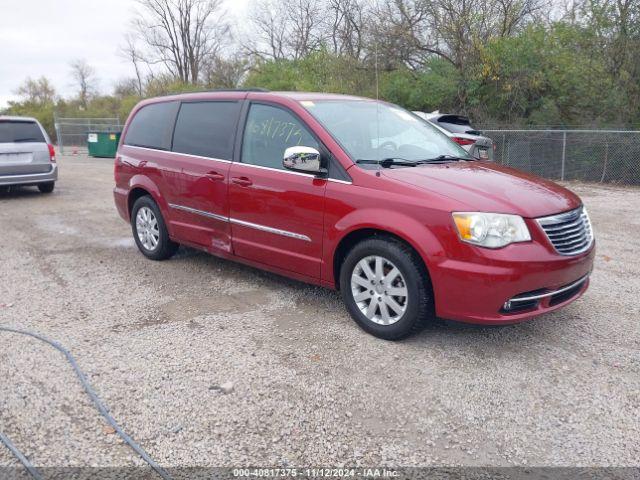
[30, 179]
[478, 292]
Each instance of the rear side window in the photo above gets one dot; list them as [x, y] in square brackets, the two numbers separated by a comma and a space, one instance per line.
[206, 129]
[13, 131]
[269, 132]
[152, 126]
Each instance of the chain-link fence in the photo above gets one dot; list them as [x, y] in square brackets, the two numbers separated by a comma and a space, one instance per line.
[72, 133]
[610, 156]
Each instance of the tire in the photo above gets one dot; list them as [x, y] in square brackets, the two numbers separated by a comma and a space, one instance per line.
[416, 307]
[46, 187]
[150, 231]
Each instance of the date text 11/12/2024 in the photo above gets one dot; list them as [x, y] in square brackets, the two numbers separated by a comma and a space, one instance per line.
[316, 472]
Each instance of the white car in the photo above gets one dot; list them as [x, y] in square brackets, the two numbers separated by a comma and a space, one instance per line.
[458, 129]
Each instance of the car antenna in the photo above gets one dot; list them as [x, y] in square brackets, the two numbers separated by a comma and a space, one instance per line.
[377, 106]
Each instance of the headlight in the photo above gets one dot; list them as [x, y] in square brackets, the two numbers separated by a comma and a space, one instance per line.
[491, 230]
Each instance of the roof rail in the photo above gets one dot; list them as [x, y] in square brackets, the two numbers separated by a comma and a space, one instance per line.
[253, 89]
[215, 90]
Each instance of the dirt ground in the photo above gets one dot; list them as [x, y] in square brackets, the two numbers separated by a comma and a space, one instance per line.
[157, 339]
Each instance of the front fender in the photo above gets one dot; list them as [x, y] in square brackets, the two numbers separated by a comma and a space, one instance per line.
[404, 226]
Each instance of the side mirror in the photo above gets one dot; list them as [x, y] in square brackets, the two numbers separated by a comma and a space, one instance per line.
[303, 159]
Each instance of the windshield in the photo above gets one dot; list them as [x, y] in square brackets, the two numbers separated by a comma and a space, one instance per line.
[12, 131]
[370, 130]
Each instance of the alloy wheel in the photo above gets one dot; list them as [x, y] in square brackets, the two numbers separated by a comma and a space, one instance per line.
[147, 228]
[379, 290]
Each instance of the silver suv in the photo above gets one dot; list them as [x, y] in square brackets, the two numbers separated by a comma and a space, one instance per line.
[27, 156]
[458, 129]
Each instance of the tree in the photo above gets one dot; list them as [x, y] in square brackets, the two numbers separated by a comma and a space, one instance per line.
[347, 21]
[615, 29]
[305, 21]
[321, 71]
[285, 29]
[126, 87]
[220, 72]
[450, 29]
[38, 91]
[38, 99]
[412, 32]
[268, 40]
[131, 52]
[84, 76]
[182, 35]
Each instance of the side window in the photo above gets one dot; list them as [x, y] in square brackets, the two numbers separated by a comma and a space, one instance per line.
[206, 129]
[269, 132]
[152, 126]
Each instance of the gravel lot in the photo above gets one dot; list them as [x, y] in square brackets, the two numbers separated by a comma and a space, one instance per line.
[309, 387]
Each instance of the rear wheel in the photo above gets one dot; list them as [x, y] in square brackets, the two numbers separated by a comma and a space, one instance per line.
[149, 230]
[386, 288]
[46, 187]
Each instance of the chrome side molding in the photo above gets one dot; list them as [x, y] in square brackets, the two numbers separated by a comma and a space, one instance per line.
[264, 228]
[199, 212]
[243, 223]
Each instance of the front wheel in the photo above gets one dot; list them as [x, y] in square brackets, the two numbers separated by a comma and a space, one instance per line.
[386, 288]
[149, 230]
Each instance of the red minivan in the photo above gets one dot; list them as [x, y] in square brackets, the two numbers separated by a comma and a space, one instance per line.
[352, 194]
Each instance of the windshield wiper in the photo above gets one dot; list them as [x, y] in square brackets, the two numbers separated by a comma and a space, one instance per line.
[28, 139]
[389, 162]
[444, 158]
[396, 161]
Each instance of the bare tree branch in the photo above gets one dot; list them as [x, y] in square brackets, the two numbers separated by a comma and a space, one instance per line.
[131, 52]
[84, 76]
[182, 35]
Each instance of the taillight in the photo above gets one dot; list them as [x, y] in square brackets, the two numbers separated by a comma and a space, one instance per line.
[463, 141]
[52, 153]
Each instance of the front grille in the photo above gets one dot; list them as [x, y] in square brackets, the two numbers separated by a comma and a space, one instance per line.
[570, 233]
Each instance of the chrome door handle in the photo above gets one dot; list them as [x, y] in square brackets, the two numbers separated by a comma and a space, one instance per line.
[242, 181]
[214, 175]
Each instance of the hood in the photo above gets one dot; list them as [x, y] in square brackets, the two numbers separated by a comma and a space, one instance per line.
[486, 187]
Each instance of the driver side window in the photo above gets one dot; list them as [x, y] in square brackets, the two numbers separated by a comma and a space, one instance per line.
[269, 132]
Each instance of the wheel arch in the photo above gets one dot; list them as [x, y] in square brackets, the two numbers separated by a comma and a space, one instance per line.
[134, 195]
[357, 235]
[141, 185]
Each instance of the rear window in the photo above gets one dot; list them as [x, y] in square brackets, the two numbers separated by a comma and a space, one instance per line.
[455, 123]
[12, 131]
[206, 129]
[152, 126]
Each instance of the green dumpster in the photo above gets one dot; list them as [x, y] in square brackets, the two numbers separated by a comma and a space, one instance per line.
[103, 144]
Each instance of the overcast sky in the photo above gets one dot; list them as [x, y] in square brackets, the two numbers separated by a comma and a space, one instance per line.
[41, 37]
